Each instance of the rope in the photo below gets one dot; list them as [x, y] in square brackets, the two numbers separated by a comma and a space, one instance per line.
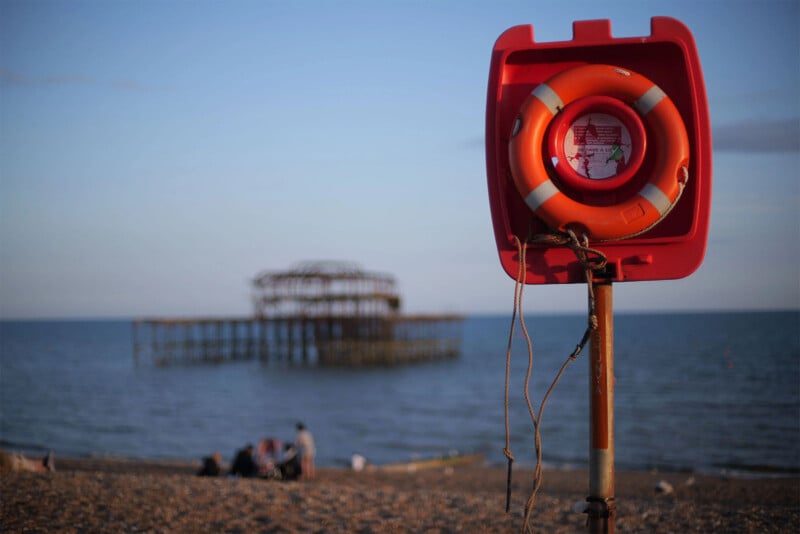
[518, 285]
[591, 260]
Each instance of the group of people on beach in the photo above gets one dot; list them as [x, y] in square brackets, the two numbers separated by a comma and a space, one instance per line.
[292, 461]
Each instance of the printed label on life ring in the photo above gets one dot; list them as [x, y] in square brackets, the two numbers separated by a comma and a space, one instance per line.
[597, 146]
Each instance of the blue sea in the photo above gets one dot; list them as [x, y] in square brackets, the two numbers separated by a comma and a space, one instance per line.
[700, 392]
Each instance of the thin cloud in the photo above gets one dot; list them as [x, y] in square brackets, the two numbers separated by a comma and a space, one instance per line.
[17, 78]
[758, 136]
[472, 143]
[9, 77]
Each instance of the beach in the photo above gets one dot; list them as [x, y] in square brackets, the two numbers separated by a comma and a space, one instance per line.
[123, 495]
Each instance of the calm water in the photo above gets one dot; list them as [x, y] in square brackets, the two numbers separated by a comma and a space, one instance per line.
[702, 392]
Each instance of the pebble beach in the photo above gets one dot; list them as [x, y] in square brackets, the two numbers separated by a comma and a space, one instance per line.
[122, 495]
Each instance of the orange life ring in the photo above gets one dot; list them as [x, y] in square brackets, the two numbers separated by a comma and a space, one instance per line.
[668, 147]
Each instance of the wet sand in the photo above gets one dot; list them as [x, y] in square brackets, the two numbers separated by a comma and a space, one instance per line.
[119, 495]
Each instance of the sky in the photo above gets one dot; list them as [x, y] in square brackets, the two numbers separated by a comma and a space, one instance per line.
[156, 156]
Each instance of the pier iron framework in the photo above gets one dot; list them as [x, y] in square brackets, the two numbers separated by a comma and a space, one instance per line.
[316, 313]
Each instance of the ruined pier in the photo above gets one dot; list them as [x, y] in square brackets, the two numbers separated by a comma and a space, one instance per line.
[320, 313]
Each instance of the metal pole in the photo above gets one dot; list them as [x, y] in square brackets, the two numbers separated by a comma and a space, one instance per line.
[601, 507]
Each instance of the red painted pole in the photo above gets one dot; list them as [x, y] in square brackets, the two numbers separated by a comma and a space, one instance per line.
[601, 509]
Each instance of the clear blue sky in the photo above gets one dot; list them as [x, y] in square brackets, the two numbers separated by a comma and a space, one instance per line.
[154, 156]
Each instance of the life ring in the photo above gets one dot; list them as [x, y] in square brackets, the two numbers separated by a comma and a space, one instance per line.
[579, 88]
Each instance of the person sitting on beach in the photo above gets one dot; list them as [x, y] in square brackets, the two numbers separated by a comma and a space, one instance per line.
[305, 442]
[17, 462]
[268, 456]
[244, 465]
[212, 466]
[290, 467]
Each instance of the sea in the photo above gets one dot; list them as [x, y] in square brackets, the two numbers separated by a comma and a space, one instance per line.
[706, 393]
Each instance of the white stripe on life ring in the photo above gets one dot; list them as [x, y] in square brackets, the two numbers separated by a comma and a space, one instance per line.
[540, 195]
[656, 197]
[548, 97]
[649, 100]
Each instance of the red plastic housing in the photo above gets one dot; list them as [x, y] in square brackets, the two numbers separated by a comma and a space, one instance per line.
[675, 247]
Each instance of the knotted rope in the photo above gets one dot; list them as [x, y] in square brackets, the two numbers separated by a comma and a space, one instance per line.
[591, 260]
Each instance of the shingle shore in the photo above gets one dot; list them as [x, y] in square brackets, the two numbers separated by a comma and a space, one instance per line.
[117, 495]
